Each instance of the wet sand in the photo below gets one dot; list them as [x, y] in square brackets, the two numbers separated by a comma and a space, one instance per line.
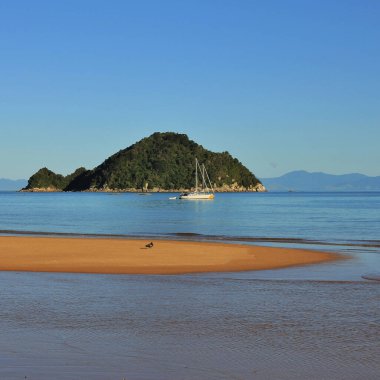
[125, 256]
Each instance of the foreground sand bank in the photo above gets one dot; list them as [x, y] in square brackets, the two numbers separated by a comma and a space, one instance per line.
[117, 256]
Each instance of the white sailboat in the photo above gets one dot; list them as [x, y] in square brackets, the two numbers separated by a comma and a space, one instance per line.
[205, 192]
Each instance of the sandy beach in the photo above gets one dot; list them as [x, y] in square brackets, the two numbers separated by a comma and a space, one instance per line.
[124, 256]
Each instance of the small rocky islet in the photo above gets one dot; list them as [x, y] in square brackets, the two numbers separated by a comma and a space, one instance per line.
[162, 162]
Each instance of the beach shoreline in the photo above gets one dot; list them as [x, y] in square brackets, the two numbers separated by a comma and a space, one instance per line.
[130, 256]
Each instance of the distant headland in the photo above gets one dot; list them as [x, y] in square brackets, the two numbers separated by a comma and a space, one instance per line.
[301, 180]
[162, 162]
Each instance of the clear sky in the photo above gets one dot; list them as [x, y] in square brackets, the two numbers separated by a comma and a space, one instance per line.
[282, 85]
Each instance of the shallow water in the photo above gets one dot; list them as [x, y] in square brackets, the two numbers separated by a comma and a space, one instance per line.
[320, 321]
[67, 326]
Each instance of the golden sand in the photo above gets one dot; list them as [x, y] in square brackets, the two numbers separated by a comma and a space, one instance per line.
[95, 255]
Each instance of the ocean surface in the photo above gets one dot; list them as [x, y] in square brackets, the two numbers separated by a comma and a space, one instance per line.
[312, 322]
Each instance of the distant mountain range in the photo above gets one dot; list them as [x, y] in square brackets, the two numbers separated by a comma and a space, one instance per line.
[294, 181]
[304, 181]
[12, 184]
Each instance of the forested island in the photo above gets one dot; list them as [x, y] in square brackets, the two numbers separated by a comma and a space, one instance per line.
[160, 162]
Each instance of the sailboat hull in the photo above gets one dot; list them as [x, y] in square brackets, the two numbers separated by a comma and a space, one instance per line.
[195, 196]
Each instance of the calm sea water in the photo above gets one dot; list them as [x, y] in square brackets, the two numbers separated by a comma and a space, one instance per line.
[310, 322]
[332, 217]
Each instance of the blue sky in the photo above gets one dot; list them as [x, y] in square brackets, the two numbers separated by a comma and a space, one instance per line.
[281, 85]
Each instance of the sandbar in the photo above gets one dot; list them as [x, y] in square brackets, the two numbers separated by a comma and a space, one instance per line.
[130, 256]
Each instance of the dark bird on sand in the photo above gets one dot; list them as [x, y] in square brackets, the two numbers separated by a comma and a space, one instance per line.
[150, 245]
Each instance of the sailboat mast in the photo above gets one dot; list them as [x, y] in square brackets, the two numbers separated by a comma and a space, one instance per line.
[203, 178]
[196, 174]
